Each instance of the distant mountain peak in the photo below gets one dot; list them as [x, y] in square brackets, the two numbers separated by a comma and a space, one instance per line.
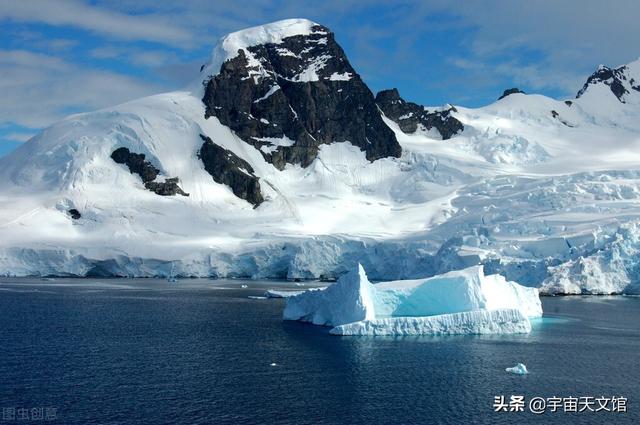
[620, 80]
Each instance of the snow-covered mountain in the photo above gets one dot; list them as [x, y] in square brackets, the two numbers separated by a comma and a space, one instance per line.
[280, 162]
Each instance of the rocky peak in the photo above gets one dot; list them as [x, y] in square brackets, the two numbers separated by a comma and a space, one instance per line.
[390, 97]
[410, 116]
[619, 80]
[510, 91]
[288, 88]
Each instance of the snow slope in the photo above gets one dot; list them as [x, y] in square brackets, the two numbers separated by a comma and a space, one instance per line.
[533, 188]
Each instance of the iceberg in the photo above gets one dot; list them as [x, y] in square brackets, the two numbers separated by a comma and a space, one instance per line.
[348, 300]
[468, 322]
[518, 369]
[459, 302]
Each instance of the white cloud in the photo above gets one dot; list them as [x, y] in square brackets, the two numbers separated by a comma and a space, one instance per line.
[568, 38]
[17, 137]
[95, 19]
[39, 89]
[38, 41]
[533, 76]
[549, 43]
[139, 57]
[107, 52]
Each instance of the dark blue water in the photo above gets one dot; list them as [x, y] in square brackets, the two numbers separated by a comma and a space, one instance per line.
[151, 352]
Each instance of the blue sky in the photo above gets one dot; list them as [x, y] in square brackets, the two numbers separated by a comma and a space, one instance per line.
[59, 57]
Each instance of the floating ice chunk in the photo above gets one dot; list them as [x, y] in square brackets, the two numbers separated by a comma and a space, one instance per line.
[518, 369]
[459, 302]
[348, 300]
[272, 293]
[461, 290]
[505, 321]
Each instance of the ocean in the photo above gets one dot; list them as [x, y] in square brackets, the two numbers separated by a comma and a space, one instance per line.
[146, 351]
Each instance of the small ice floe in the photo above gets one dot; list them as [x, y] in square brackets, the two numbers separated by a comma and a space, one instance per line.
[256, 297]
[272, 293]
[274, 364]
[518, 369]
[244, 286]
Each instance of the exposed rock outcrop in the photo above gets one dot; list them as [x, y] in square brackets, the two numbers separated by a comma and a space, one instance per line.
[288, 98]
[557, 116]
[409, 116]
[137, 164]
[74, 214]
[227, 168]
[510, 91]
[169, 187]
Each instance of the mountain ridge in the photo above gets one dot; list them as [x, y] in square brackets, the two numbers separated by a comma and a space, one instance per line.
[523, 185]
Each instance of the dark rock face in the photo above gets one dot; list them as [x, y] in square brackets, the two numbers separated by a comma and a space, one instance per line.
[409, 115]
[169, 187]
[557, 116]
[303, 92]
[513, 90]
[74, 213]
[616, 79]
[568, 102]
[137, 164]
[227, 168]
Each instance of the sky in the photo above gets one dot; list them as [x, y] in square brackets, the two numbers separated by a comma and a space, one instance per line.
[59, 57]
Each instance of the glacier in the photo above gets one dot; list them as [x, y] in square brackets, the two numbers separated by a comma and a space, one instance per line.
[459, 302]
[545, 192]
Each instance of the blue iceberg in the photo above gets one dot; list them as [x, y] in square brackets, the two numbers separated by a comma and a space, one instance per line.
[459, 302]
